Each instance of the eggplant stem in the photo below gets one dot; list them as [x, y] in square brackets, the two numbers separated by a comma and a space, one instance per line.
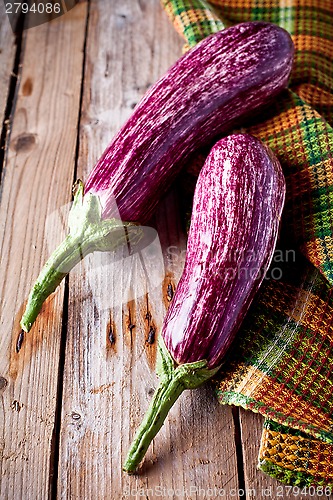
[88, 233]
[62, 260]
[174, 380]
[166, 394]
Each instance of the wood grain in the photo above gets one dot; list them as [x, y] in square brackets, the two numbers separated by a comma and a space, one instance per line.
[7, 57]
[36, 181]
[107, 386]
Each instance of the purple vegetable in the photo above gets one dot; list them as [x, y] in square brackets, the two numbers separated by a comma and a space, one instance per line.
[226, 76]
[237, 208]
[205, 93]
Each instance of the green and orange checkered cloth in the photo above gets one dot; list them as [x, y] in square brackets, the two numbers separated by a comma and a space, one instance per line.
[283, 361]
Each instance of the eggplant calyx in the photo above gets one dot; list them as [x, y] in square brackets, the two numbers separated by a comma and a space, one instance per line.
[174, 379]
[88, 232]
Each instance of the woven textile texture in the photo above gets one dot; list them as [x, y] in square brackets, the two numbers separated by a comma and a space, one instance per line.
[282, 363]
[288, 454]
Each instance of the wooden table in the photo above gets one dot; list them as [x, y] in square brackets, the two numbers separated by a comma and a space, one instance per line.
[71, 399]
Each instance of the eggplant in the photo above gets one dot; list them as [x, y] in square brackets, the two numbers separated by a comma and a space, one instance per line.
[205, 93]
[236, 214]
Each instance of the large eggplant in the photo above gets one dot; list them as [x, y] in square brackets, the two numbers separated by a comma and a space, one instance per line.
[236, 213]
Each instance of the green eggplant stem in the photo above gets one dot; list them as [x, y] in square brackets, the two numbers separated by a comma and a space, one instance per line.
[88, 232]
[173, 381]
[164, 398]
[66, 256]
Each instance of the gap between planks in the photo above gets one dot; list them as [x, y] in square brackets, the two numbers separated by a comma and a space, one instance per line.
[54, 458]
[11, 65]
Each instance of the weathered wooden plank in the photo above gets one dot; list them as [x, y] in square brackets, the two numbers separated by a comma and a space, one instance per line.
[37, 181]
[257, 484]
[7, 57]
[107, 386]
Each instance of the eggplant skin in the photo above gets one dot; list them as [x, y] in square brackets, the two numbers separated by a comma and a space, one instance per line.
[203, 95]
[235, 220]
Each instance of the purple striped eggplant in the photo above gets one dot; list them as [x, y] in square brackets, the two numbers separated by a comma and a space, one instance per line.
[205, 93]
[235, 220]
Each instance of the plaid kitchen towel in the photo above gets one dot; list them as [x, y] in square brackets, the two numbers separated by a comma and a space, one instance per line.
[282, 366]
